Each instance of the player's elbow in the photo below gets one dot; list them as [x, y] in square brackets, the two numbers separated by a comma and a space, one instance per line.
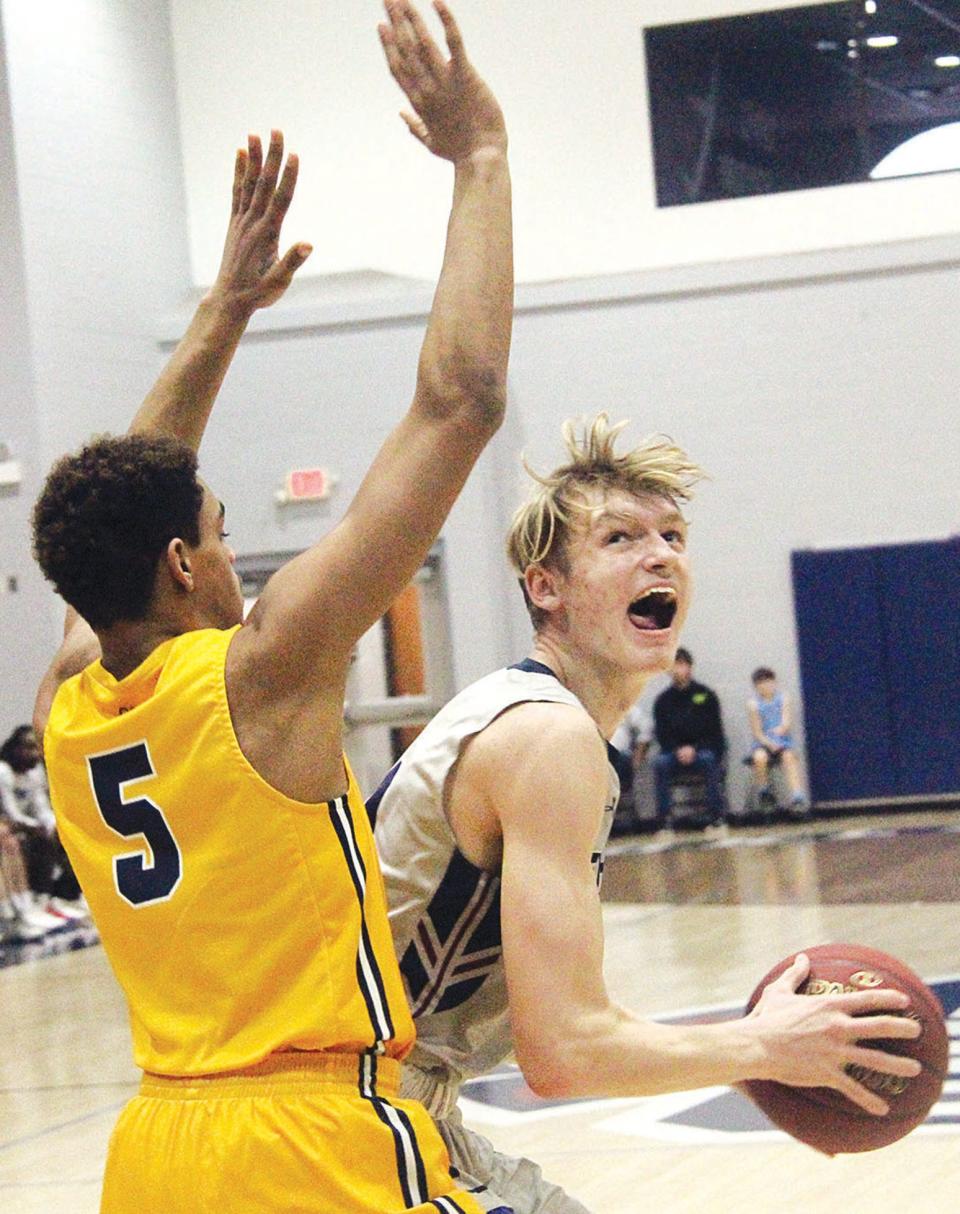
[467, 392]
[554, 1069]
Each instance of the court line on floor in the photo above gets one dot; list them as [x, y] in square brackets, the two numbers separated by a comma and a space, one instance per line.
[72, 1087]
[51, 1184]
[62, 1125]
[772, 837]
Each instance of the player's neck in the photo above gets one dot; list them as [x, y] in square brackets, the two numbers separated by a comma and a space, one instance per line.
[128, 643]
[607, 694]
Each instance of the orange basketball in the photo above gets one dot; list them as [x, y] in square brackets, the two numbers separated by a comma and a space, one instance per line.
[825, 1118]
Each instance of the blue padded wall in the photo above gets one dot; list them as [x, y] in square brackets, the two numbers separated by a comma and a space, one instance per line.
[920, 598]
[879, 638]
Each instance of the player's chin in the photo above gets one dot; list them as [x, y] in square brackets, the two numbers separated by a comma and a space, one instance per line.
[654, 647]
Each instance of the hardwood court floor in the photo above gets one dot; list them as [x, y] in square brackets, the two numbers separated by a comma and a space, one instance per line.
[692, 923]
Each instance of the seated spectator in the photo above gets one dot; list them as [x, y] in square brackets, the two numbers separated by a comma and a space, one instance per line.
[770, 723]
[689, 732]
[633, 739]
[25, 804]
[21, 919]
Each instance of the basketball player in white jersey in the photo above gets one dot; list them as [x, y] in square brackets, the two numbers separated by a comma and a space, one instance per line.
[492, 825]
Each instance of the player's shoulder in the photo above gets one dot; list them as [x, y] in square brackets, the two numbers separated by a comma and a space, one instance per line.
[544, 732]
[543, 766]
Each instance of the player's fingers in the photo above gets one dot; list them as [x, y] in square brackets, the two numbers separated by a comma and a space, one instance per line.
[284, 193]
[411, 51]
[861, 1096]
[389, 44]
[417, 127]
[888, 1064]
[901, 1028]
[254, 162]
[294, 258]
[861, 1003]
[398, 66]
[239, 173]
[403, 32]
[794, 975]
[280, 274]
[427, 49]
[268, 178]
[451, 31]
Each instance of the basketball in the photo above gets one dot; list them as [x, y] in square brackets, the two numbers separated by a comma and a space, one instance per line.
[826, 1119]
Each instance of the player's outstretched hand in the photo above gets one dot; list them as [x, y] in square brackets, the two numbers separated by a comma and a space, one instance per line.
[251, 274]
[814, 1040]
[455, 113]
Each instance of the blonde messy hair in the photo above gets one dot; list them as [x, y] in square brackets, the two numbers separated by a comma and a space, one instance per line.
[541, 527]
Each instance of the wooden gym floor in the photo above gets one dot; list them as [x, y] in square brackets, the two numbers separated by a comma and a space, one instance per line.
[692, 923]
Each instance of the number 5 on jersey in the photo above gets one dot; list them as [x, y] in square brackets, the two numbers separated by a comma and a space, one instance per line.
[139, 882]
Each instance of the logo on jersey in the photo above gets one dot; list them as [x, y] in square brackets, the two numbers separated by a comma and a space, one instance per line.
[457, 942]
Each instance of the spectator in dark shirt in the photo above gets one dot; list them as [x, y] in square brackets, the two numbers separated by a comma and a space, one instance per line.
[689, 732]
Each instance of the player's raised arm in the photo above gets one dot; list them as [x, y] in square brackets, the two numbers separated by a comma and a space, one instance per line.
[331, 594]
[251, 276]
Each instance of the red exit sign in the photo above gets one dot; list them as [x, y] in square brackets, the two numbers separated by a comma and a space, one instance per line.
[308, 484]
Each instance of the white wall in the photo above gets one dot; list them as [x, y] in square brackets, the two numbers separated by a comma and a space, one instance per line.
[818, 392]
[101, 199]
[96, 207]
[817, 388]
[823, 408]
[22, 611]
[572, 83]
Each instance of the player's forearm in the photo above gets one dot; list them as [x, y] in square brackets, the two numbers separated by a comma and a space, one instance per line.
[180, 402]
[612, 1053]
[467, 344]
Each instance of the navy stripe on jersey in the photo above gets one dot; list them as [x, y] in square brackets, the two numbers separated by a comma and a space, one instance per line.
[373, 801]
[532, 666]
[369, 976]
[410, 1169]
[457, 942]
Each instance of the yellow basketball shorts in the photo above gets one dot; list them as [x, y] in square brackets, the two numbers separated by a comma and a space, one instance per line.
[297, 1134]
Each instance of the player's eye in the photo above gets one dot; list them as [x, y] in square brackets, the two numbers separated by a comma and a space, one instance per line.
[615, 537]
[674, 537]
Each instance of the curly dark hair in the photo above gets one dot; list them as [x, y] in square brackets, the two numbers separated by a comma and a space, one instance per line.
[9, 750]
[105, 517]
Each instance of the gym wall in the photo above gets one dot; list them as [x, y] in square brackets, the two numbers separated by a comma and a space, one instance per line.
[815, 387]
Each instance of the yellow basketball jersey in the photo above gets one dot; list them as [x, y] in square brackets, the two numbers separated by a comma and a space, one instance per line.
[238, 922]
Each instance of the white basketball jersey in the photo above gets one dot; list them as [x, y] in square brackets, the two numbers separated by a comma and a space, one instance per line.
[444, 911]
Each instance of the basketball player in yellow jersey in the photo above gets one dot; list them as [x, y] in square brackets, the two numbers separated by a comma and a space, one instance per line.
[196, 768]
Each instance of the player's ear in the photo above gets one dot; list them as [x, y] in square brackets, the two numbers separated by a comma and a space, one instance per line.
[542, 589]
[177, 561]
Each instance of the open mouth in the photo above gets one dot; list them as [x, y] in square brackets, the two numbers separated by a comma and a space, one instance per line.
[655, 610]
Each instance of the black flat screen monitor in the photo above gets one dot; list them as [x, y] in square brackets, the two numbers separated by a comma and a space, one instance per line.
[801, 98]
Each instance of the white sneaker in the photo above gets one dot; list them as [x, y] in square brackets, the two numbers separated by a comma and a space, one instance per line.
[65, 909]
[39, 918]
[23, 930]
